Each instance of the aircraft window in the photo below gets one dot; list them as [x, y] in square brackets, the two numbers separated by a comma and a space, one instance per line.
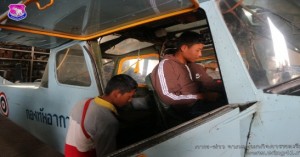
[138, 67]
[3, 73]
[267, 36]
[108, 68]
[127, 45]
[139, 64]
[71, 67]
[44, 81]
[107, 38]
[212, 69]
[208, 61]
[71, 22]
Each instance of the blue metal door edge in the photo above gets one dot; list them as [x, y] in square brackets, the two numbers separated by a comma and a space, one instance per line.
[175, 131]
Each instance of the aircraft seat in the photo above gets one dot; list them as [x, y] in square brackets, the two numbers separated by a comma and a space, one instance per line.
[166, 116]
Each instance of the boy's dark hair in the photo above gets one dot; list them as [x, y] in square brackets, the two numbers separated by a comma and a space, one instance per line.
[121, 82]
[188, 38]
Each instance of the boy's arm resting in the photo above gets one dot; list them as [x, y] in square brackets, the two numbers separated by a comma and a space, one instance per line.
[204, 80]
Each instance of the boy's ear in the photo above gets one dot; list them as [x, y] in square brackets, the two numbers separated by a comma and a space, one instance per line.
[116, 93]
[183, 47]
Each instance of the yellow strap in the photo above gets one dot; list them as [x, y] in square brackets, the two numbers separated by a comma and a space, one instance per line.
[137, 67]
[106, 104]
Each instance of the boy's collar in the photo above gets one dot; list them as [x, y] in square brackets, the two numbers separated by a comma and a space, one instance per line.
[101, 102]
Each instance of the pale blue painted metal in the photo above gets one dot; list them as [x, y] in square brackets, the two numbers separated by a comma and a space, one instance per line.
[275, 126]
[57, 100]
[218, 137]
[238, 84]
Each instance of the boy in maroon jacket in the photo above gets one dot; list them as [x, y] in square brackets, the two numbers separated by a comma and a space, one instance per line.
[179, 81]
